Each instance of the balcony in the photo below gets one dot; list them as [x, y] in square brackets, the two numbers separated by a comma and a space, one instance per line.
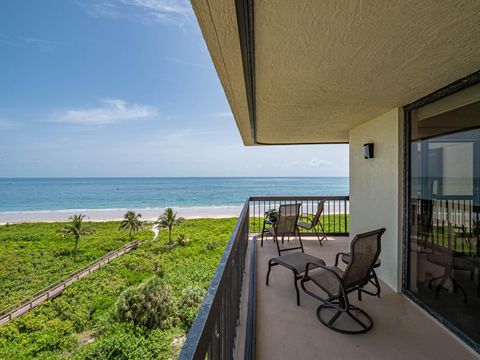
[242, 318]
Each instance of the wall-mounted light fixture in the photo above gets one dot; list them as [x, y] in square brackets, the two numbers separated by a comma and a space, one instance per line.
[368, 151]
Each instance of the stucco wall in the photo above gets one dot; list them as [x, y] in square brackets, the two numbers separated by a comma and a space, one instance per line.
[375, 188]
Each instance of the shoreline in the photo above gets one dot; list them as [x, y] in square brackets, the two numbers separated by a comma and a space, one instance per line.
[104, 215]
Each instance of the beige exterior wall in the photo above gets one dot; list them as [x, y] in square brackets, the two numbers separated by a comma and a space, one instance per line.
[376, 188]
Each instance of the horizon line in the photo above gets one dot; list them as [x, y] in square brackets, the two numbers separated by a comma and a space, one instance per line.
[164, 177]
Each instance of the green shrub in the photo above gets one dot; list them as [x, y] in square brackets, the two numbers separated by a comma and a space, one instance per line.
[150, 305]
[54, 329]
[210, 246]
[169, 246]
[190, 300]
[124, 341]
[182, 240]
[158, 268]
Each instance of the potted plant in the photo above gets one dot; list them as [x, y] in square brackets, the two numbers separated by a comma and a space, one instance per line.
[271, 215]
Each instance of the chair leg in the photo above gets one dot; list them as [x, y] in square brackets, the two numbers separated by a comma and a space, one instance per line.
[441, 283]
[456, 287]
[376, 283]
[430, 283]
[275, 239]
[300, 239]
[296, 288]
[318, 236]
[269, 269]
[324, 237]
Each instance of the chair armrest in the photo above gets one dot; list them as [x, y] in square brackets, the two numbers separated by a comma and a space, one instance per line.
[308, 216]
[338, 255]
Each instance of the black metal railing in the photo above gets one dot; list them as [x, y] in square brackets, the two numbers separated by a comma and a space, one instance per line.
[335, 217]
[431, 219]
[213, 332]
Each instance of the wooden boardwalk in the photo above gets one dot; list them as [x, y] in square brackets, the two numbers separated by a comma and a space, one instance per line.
[29, 303]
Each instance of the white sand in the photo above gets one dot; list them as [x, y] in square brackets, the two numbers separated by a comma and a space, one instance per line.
[14, 217]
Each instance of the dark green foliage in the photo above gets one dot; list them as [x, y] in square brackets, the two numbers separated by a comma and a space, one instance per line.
[190, 301]
[168, 220]
[126, 341]
[150, 305]
[271, 215]
[183, 240]
[88, 306]
[132, 223]
[32, 256]
[210, 246]
[76, 229]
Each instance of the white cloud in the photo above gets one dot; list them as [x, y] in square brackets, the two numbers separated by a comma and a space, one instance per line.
[101, 9]
[112, 111]
[319, 162]
[166, 7]
[176, 12]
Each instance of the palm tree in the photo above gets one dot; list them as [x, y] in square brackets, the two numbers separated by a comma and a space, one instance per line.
[75, 229]
[167, 221]
[131, 222]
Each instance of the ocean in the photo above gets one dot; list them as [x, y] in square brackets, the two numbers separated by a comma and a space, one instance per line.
[107, 198]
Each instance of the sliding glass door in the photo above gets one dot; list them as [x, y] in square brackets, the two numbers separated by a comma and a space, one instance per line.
[443, 247]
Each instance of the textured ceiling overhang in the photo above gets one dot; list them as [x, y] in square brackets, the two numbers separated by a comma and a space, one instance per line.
[324, 67]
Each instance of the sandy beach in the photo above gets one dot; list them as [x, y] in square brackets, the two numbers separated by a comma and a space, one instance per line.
[14, 217]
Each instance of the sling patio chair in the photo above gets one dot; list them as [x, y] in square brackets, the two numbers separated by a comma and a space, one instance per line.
[336, 312]
[286, 225]
[314, 223]
[345, 257]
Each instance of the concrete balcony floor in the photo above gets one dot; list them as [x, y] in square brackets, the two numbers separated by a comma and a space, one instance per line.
[286, 331]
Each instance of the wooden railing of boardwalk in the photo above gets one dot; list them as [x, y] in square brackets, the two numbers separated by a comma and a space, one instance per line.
[22, 307]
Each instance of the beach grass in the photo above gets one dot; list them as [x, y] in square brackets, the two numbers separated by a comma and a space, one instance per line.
[80, 323]
[34, 255]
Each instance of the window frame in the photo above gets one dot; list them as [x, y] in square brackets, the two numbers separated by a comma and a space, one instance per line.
[448, 90]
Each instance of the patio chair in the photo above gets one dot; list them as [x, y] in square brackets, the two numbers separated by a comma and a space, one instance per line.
[373, 278]
[336, 312]
[314, 223]
[286, 225]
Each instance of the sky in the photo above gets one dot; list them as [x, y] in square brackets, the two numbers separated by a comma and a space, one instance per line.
[124, 88]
